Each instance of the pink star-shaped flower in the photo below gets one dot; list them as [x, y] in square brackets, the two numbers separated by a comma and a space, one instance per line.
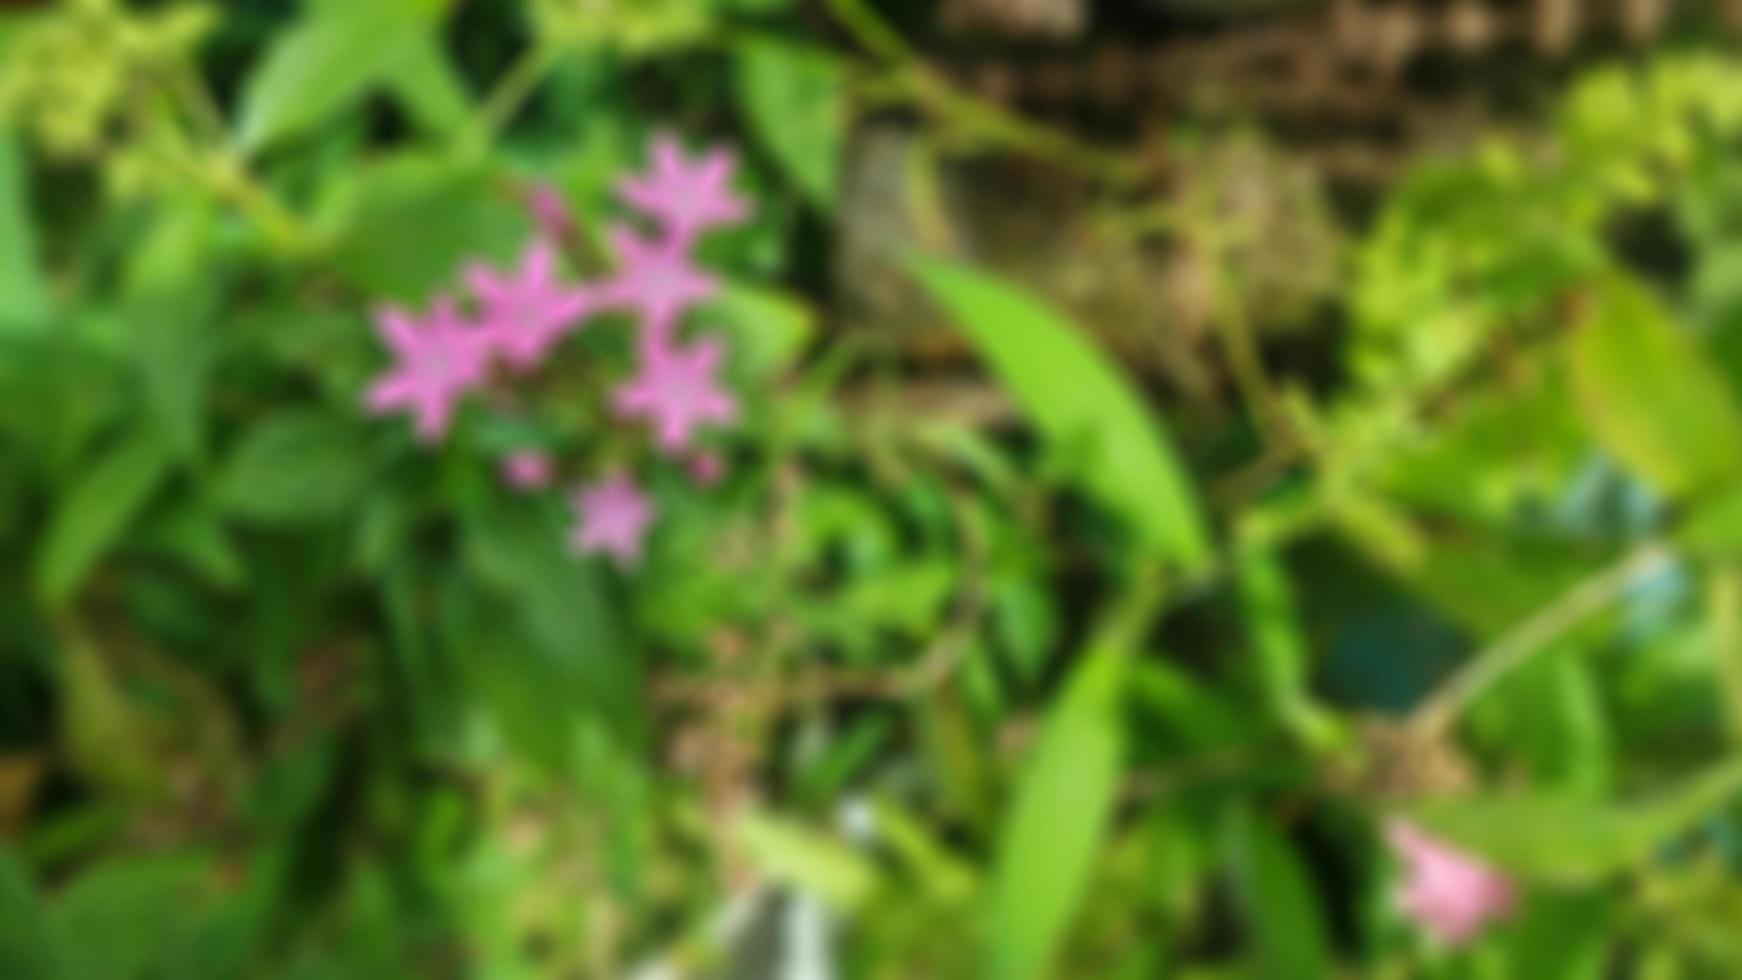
[658, 278]
[1449, 893]
[687, 197]
[612, 517]
[678, 392]
[527, 470]
[436, 361]
[527, 312]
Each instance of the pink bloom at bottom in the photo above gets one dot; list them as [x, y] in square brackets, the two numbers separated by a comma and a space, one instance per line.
[1451, 894]
[613, 516]
[527, 470]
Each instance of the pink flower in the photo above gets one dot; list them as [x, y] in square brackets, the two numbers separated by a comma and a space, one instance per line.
[1451, 894]
[658, 278]
[527, 470]
[550, 211]
[687, 197]
[436, 361]
[526, 312]
[707, 468]
[613, 516]
[678, 392]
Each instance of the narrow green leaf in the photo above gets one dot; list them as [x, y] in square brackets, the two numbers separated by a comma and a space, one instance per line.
[426, 84]
[23, 296]
[95, 512]
[330, 59]
[1082, 404]
[563, 607]
[793, 95]
[1648, 395]
[792, 854]
[1563, 839]
[1277, 901]
[1053, 834]
[1279, 648]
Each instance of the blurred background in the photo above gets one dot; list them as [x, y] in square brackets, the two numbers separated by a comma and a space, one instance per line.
[1161, 488]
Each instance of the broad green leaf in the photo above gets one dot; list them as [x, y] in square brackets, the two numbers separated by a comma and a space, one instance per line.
[1649, 397]
[95, 512]
[1055, 826]
[405, 224]
[1276, 900]
[23, 295]
[1564, 839]
[296, 467]
[793, 96]
[1559, 937]
[1079, 400]
[144, 908]
[329, 60]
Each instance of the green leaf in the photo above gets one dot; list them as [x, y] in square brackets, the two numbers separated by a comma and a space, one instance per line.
[793, 96]
[562, 604]
[426, 84]
[1056, 824]
[329, 60]
[1277, 901]
[1563, 839]
[25, 946]
[1560, 937]
[296, 467]
[143, 908]
[95, 513]
[1648, 396]
[104, 736]
[405, 224]
[1082, 404]
[175, 282]
[791, 854]
[769, 330]
[23, 295]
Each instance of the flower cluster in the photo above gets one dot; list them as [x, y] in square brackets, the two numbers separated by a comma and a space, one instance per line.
[512, 320]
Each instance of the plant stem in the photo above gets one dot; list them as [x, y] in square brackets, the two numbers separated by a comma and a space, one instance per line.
[1511, 651]
[871, 30]
[512, 91]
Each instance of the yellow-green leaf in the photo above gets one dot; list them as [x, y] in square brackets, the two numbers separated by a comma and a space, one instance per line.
[1648, 396]
[1081, 402]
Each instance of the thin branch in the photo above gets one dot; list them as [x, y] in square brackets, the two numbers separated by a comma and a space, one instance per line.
[1511, 651]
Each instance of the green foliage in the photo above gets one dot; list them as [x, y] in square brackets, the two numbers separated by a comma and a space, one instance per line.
[1019, 664]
